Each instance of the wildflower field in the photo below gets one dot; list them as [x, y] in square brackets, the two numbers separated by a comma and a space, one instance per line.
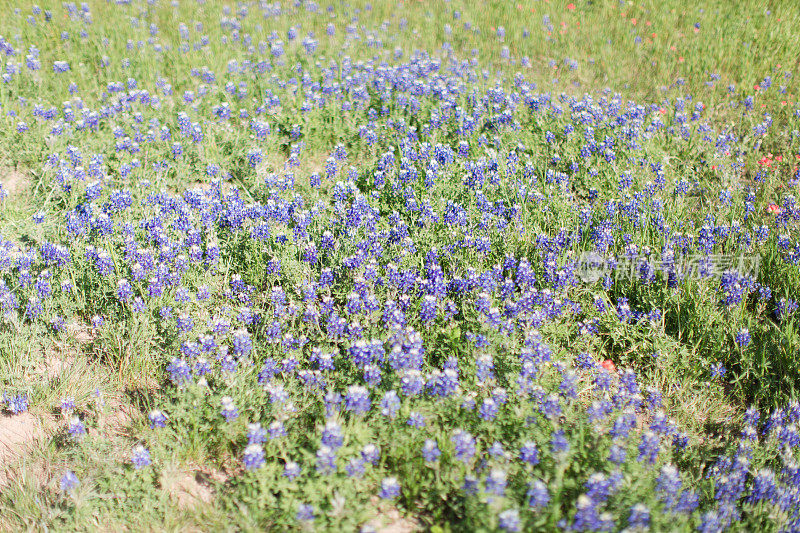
[399, 266]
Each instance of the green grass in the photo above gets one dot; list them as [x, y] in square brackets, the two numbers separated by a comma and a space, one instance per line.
[124, 361]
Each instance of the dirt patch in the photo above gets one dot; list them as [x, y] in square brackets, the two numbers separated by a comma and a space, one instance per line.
[18, 435]
[389, 520]
[187, 489]
[80, 332]
[54, 367]
[116, 418]
[208, 476]
[13, 181]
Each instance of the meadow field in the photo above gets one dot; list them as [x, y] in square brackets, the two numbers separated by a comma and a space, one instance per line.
[399, 266]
